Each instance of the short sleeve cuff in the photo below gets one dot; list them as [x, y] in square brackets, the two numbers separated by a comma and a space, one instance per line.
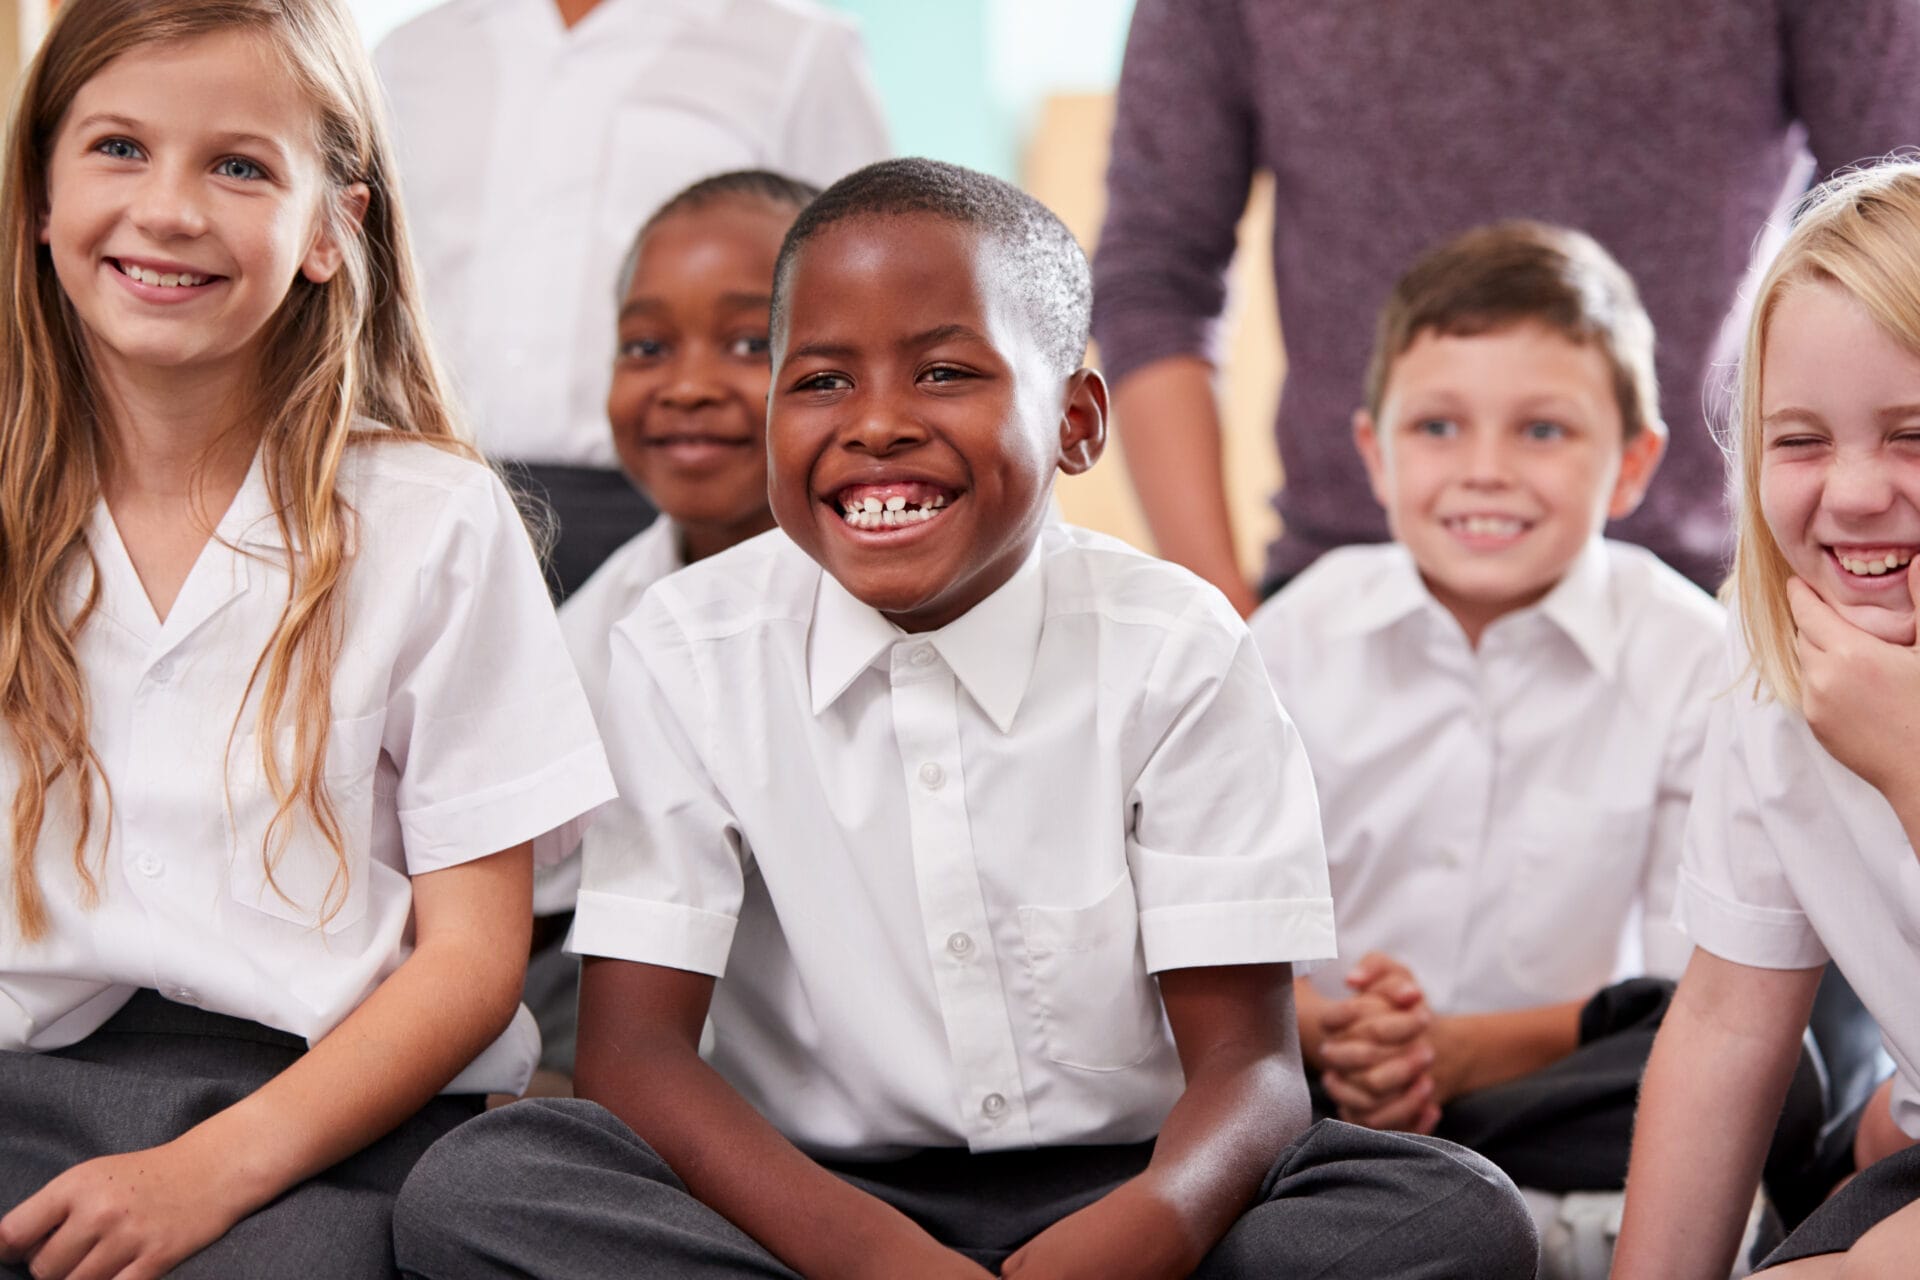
[648, 932]
[500, 817]
[1761, 937]
[1904, 1105]
[1260, 931]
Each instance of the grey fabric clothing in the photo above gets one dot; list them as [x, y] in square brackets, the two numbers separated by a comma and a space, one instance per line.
[589, 513]
[156, 1069]
[1668, 129]
[1876, 1193]
[561, 1188]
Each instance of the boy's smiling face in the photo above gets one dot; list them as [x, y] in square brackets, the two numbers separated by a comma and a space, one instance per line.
[1497, 456]
[916, 422]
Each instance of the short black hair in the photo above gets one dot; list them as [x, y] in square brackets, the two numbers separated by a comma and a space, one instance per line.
[1039, 255]
[737, 184]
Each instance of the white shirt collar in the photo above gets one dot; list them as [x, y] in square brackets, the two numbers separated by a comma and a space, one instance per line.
[991, 647]
[1580, 604]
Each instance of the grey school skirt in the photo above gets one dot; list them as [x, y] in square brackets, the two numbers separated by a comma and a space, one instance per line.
[1876, 1194]
[156, 1069]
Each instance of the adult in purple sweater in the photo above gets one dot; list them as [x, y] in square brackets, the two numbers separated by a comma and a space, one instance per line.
[1667, 129]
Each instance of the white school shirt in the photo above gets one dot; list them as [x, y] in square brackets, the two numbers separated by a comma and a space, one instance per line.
[935, 873]
[530, 154]
[1506, 821]
[1792, 860]
[587, 620]
[458, 730]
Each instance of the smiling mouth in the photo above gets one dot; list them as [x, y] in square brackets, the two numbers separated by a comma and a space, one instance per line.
[1873, 563]
[891, 506]
[1486, 526]
[161, 279]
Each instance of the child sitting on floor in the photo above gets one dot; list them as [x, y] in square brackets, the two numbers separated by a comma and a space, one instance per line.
[688, 411]
[1504, 714]
[983, 838]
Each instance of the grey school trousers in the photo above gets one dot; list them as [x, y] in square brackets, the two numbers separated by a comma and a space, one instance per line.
[561, 1188]
[156, 1069]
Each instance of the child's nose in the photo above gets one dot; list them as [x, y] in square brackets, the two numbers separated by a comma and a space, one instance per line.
[167, 204]
[1859, 483]
[691, 385]
[1487, 458]
[883, 427]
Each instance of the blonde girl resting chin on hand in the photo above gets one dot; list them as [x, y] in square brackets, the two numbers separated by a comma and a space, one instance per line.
[1801, 845]
[283, 700]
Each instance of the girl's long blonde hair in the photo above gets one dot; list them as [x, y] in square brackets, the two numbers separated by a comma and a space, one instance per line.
[353, 347]
[1861, 232]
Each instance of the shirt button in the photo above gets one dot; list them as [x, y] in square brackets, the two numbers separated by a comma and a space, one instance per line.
[960, 944]
[932, 776]
[161, 671]
[148, 865]
[993, 1106]
[921, 656]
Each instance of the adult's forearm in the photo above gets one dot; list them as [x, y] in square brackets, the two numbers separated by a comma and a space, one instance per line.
[1168, 422]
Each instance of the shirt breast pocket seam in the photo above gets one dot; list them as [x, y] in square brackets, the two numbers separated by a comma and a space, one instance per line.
[1073, 952]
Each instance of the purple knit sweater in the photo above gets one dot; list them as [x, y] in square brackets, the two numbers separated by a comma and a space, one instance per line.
[1668, 129]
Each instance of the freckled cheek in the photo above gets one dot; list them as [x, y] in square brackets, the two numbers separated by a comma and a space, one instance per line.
[1789, 498]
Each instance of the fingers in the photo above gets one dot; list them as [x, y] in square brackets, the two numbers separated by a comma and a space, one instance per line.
[1379, 974]
[1369, 1088]
[1819, 626]
[1402, 1112]
[30, 1222]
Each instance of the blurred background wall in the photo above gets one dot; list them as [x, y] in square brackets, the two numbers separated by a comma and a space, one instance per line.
[1022, 89]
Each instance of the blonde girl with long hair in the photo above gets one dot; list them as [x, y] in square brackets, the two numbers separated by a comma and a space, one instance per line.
[1800, 849]
[284, 703]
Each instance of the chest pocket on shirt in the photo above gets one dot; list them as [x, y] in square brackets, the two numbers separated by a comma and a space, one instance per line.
[1097, 1007]
[304, 873]
[1579, 870]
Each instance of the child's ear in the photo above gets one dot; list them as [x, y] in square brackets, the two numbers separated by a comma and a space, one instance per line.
[324, 258]
[1639, 459]
[1083, 423]
[1366, 438]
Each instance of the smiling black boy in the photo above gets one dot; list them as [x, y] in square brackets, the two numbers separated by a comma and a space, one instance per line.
[983, 841]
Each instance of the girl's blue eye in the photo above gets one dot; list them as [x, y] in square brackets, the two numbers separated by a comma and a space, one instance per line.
[1544, 430]
[118, 149]
[240, 169]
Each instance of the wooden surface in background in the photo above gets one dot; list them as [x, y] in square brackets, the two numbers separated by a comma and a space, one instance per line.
[1065, 166]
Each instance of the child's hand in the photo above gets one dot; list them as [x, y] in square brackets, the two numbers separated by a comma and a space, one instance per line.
[124, 1217]
[1128, 1234]
[1861, 695]
[1378, 1050]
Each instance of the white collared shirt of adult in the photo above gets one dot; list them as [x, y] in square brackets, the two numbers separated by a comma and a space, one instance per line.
[530, 153]
[938, 871]
[587, 620]
[1505, 821]
[1792, 860]
[458, 729]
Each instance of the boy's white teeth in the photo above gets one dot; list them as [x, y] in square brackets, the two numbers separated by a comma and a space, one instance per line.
[1488, 526]
[1874, 566]
[165, 280]
[871, 513]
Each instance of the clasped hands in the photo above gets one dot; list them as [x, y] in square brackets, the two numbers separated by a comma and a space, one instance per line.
[1385, 1055]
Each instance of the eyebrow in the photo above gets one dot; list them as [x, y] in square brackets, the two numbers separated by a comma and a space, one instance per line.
[1899, 412]
[128, 123]
[942, 333]
[1792, 415]
[760, 300]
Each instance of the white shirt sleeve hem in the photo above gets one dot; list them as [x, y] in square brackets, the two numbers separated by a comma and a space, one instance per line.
[1762, 937]
[1261, 931]
[662, 933]
[473, 826]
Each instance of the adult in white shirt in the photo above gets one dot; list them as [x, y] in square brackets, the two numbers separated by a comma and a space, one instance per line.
[535, 137]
